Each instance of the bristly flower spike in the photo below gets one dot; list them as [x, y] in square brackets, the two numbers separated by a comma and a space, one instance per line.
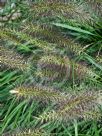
[38, 92]
[49, 64]
[78, 106]
[55, 8]
[29, 132]
[54, 36]
[12, 60]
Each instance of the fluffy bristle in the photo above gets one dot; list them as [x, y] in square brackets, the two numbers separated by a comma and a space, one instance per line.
[52, 9]
[54, 36]
[56, 66]
[78, 106]
[41, 92]
[12, 60]
[29, 132]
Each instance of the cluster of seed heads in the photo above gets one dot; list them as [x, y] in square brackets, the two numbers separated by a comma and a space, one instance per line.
[83, 105]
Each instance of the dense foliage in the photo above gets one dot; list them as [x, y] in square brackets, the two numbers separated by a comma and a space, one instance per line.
[51, 68]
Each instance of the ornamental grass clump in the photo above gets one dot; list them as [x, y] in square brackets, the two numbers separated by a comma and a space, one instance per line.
[50, 68]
